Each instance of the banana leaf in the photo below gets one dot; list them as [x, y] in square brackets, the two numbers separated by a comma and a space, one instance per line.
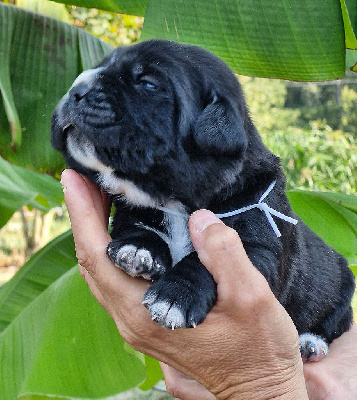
[349, 13]
[293, 40]
[333, 216]
[56, 341]
[20, 186]
[131, 7]
[40, 58]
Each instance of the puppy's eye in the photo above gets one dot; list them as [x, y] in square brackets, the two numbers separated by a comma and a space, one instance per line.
[148, 83]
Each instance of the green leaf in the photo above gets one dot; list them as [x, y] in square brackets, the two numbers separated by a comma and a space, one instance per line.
[49, 266]
[20, 186]
[5, 80]
[349, 12]
[153, 371]
[333, 216]
[65, 344]
[35, 276]
[132, 7]
[47, 7]
[351, 60]
[40, 58]
[290, 40]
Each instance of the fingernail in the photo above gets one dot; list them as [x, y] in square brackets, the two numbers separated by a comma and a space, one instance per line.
[202, 219]
[64, 188]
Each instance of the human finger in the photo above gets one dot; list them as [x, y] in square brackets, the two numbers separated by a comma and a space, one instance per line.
[182, 386]
[101, 201]
[222, 253]
[108, 283]
[82, 199]
[89, 231]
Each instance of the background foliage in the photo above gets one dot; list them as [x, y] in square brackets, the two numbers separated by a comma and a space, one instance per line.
[317, 150]
[53, 334]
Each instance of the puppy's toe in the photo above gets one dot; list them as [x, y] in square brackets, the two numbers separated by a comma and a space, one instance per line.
[136, 262]
[166, 314]
[312, 347]
[174, 306]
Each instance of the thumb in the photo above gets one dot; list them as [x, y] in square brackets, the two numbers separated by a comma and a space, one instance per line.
[91, 237]
[85, 209]
[89, 225]
[221, 251]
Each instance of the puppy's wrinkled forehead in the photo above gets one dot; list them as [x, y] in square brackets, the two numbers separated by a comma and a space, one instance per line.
[159, 67]
[136, 60]
[155, 55]
[163, 62]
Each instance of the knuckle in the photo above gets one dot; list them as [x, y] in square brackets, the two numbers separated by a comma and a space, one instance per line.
[257, 299]
[83, 272]
[136, 329]
[129, 335]
[86, 261]
[221, 238]
[88, 258]
[135, 336]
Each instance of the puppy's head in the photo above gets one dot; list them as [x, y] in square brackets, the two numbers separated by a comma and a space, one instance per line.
[154, 122]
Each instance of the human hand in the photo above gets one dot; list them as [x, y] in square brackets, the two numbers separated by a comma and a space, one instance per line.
[247, 347]
[332, 378]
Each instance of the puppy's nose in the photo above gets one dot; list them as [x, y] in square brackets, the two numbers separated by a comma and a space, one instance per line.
[79, 91]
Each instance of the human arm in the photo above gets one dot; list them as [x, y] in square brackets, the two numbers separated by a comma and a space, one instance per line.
[247, 348]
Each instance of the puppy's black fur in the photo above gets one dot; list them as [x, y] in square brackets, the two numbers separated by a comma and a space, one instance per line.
[160, 124]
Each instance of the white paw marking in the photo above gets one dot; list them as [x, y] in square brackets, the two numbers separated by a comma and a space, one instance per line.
[175, 318]
[312, 347]
[136, 262]
[165, 314]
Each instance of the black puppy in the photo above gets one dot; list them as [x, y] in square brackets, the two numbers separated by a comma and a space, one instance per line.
[164, 129]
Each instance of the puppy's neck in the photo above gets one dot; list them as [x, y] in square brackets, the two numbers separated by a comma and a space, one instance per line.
[261, 205]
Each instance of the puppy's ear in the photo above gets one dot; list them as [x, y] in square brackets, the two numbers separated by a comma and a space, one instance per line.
[220, 128]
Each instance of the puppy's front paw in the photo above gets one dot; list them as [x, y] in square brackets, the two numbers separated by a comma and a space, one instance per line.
[312, 347]
[178, 303]
[136, 262]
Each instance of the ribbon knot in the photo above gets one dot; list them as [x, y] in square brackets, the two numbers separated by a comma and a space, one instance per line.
[268, 211]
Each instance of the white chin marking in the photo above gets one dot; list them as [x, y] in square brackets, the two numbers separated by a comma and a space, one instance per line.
[131, 192]
[83, 151]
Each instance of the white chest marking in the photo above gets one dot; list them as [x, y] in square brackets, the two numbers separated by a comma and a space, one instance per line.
[177, 236]
[179, 240]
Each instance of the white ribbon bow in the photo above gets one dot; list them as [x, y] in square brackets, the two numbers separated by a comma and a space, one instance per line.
[266, 209]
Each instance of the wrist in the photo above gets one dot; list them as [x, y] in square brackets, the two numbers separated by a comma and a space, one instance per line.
[282, 385]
